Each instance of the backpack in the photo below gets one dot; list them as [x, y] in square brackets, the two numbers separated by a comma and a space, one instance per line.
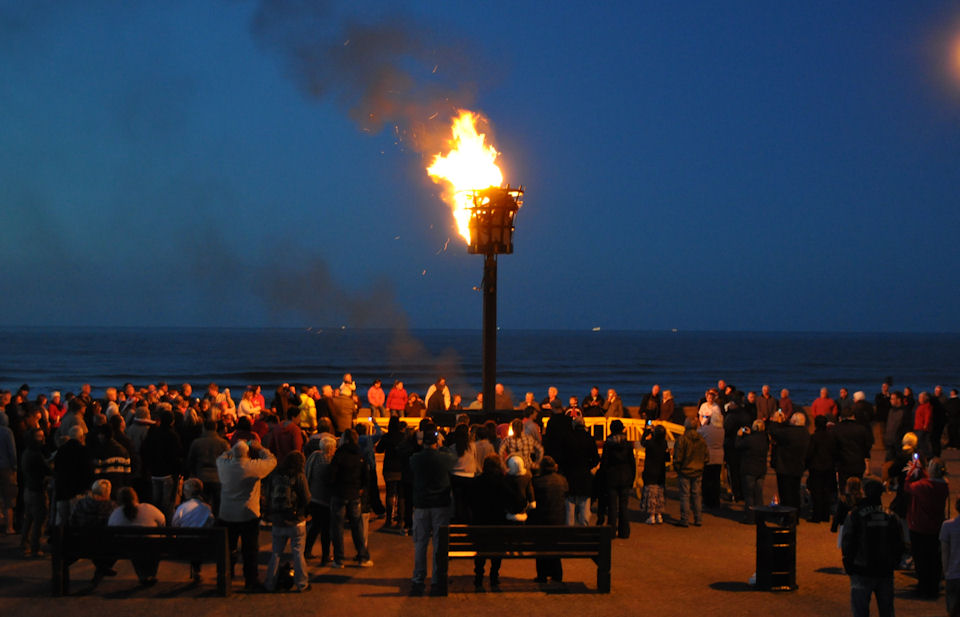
[283, 500]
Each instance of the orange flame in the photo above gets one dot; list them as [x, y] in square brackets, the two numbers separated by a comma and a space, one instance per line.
[468, 165]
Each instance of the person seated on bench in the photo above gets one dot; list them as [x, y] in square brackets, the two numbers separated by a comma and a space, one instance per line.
[193, 512]
[93, 510]
[132, 513]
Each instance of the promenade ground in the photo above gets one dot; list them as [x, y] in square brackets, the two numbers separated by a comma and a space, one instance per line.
[659, 570]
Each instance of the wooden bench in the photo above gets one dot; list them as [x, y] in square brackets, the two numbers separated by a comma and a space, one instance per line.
[528, 542]
[177, 543]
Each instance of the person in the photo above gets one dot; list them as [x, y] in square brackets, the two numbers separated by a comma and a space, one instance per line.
[518, 490]
[753, 445]
[288, 499]
[766, 404]
[396, 399]
[321, 487]
[248, 407]
[928, 493]
[713, 434]
[737, 417]
[579, 458]
[34, 470]
[852, 442]
[669, 410]
[132, 513]
[654, 476]
[551, 490]
[71, 472]
[430, 469]
[348, 478]
[367, 443]
[552, 400]
[952, 411]
[529, 403]
[690, 455]
[162, 454]
[463, 472]
[863, 411]
[522, 444]
[821, 475]
[240, 469]
[202, 462]
[896, 427]
[414, 407]
[650, 404]
[872, 545]
[785, 404]
[8, 472]
[392, 472]
[307, 408]
[593, 403]
[501, 397]
[709, 407]
[618, 470]
[376, 398]
[437, 397]
[109, 459]
[477, 403]
[193, 512]
[923, 425]
[789, 459]
[488, 507]
[93, 509]
[824, 406]
[950, 560]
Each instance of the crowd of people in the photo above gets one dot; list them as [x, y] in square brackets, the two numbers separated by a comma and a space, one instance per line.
[305, 464]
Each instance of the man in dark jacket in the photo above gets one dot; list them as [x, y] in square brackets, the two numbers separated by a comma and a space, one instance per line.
[551, 490]
[163, 459]
[690, 456]
[71, 472]
[753, 444]
[852, 441]
[348, 476]
[618, 470]
[737, 417]
[431, 508]
[872, 546]
[580, 456]
[792, 439]
[821, 470]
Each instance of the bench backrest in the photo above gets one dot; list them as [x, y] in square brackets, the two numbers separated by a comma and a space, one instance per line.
[126, 542]
[528, 538]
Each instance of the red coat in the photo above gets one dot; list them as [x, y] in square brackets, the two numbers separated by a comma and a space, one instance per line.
[823, 407]
[397, 399]
[923, 417]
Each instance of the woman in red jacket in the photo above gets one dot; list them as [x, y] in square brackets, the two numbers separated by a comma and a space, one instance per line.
[397, 399]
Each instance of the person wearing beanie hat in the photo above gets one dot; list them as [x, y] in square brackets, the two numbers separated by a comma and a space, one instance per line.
[551, 490]
[618, 470]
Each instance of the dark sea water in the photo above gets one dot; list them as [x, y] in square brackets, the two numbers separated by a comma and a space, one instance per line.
[685, 362]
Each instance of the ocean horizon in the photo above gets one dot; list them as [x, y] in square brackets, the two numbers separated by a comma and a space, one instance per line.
[630, 361]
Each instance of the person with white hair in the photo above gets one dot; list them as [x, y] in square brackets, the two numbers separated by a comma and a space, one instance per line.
[713, 433]
[792, 440]
[240, 470]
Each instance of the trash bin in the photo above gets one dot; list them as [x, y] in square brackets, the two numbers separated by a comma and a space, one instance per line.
[776, 548]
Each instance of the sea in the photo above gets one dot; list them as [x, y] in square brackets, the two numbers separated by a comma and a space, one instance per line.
[687, 363]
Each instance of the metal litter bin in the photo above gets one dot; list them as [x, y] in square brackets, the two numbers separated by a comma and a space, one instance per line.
[776, 548]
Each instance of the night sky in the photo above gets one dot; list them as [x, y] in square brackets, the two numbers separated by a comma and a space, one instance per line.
[691, 165]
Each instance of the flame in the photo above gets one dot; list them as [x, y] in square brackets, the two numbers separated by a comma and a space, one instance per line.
[469, 164]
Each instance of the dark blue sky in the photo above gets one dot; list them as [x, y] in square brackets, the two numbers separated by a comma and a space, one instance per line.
[747, 166]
